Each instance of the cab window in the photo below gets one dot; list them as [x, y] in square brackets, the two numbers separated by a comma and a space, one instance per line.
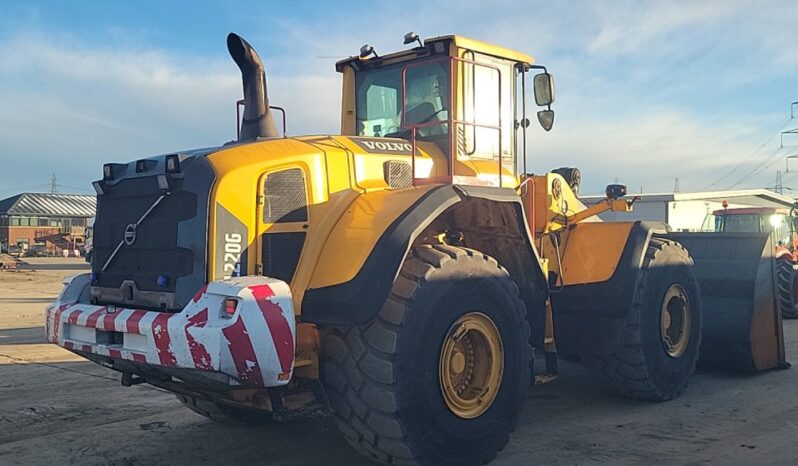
[488, 87]
[426, 100]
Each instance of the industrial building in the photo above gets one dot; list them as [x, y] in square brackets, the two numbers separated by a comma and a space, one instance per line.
[45, 224]
[687, 211]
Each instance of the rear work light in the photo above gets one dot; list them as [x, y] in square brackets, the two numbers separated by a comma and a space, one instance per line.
[172, 163]
[113, 170]
[230, 305]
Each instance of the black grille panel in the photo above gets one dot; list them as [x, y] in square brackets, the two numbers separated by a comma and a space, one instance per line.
[155, 250]
[171, 241]
[285, 198]
[398, 174]
[280, 254]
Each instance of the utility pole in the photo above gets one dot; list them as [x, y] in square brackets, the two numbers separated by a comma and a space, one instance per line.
[53, 185]
[789, 131]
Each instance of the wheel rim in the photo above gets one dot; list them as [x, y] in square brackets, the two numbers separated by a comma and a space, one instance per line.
[471, 365]
[675, 321]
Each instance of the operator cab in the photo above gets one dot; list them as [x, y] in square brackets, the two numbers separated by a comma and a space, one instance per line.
[775, 221]
[457, 100]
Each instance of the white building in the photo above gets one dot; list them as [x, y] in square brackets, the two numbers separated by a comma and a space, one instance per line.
[686, 211]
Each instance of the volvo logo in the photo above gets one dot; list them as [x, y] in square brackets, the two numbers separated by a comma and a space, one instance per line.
[130, 234]
[382, 146]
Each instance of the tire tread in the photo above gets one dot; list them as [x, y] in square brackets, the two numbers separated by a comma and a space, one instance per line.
[625, 371]
[366, 408]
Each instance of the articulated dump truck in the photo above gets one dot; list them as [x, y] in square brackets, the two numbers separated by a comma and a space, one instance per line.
[401, 276]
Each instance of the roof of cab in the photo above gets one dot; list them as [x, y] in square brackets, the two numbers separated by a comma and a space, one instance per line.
[487, 49]
[459, 41]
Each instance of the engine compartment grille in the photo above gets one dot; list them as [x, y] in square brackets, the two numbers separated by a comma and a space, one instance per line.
[398, 174]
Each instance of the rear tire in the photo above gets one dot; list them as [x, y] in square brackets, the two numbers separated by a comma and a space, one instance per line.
[225, 413]
[384, 379]
[650, 366]
[785, 272]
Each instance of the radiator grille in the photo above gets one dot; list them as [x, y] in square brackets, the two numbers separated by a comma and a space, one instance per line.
[285, 198]
[156, 250]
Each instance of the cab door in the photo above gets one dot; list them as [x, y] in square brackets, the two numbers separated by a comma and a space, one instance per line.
[282, 223]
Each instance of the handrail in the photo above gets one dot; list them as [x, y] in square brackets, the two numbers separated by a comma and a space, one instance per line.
[240, 103]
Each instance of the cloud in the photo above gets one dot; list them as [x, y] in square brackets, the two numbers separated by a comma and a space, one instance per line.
[647, 91]
[67, 108]
[650, 150]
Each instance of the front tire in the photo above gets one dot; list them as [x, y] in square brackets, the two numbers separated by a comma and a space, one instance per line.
[406, 387]
[663, 330]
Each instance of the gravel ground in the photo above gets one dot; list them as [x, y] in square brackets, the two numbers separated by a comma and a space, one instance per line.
[55, 408]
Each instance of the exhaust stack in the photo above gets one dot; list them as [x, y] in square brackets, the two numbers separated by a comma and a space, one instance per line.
[258, 121]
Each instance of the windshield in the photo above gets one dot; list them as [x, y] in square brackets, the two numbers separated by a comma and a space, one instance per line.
[741, 223]
[777, 224]
[379, 99]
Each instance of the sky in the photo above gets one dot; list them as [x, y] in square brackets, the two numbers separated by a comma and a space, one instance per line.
[647, 91]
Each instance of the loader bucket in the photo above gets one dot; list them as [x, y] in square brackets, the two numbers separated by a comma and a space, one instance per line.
[742, 323]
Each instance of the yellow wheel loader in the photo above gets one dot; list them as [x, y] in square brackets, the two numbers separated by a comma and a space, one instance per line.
[400, 274]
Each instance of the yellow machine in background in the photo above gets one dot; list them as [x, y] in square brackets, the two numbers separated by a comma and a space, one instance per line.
[421, 260]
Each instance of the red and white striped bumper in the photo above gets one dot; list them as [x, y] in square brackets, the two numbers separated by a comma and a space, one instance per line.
[254, 346]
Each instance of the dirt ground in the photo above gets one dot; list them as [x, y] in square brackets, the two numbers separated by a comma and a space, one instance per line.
[57, 409]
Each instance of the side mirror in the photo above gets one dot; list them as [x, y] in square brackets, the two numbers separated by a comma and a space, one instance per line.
[544, 89]
[546, 119]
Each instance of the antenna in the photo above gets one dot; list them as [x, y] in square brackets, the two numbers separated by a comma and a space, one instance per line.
[54, 185]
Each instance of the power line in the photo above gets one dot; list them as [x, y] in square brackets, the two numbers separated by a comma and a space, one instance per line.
[765, 164]
[750, 156]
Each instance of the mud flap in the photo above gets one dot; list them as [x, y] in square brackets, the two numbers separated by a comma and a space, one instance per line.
[742, 324]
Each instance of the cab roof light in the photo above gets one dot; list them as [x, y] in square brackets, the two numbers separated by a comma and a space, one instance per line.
[411, 37]
[366, 50]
